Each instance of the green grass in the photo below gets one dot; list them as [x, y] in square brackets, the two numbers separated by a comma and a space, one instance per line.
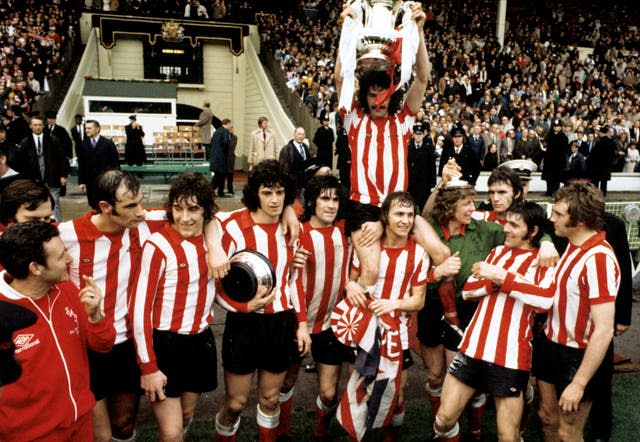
[418, 420]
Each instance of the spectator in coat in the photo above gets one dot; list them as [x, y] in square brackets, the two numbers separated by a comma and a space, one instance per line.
[134, 148]
[231, 158]
[97, 154]
[461, 152]
[323, 139]
[60, 133]
[45, 160]
[577, 165]
[422, 165]
[218, 163]
[77, 132]
[204, 126]
[600, 160]
[555, 157]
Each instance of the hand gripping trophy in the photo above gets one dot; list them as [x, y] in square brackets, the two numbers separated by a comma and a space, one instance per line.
[381, 37]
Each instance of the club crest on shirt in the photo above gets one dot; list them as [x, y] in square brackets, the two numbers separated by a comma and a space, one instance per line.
[24, 342]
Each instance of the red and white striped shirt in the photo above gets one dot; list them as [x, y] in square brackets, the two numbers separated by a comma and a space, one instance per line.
[500, 330]
[321, 282]
[401, 269]
[172, 291]
[111, 259]
[240, 232]
[379, 150]
[585, 275]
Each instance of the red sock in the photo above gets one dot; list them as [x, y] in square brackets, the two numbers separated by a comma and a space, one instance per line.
[433, 396]
[267, 426]
[475, 414]
[286, 402]
[324, 415]
[220, 438]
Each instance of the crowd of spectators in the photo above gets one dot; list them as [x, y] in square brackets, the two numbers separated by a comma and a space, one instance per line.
[33, 35]
[539, 75]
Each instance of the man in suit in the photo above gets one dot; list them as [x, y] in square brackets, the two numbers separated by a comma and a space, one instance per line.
[577, 163]
[463, 155]
[45, 160]
[204, 126]
[77, 132]
[97, 154]
[323, 139]
[295, 157]
[477, 143]
[587, 146]
[262, 144]
[60, 133]
[507, 146]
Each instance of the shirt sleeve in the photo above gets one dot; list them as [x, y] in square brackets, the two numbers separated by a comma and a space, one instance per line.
[142, 301]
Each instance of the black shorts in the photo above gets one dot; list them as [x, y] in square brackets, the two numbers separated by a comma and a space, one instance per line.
[326, 349]
[430, 326]
[188, 361]
[489, 378]
[557, 365]
[116, 371]
[357, 214]
[254, 341]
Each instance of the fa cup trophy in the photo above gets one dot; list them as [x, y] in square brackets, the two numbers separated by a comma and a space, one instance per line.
[382, 37]
[378, 44]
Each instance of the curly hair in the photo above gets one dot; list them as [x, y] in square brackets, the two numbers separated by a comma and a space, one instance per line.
[585, 204]
[314, 189]
[23, 243]
[267, 173]
[192, 184]
[382, 80]
[447, 201]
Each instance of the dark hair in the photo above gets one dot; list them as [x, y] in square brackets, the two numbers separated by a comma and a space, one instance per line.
[107, 186]
[403, 199]
[585, 204]
[267, 173]
[533, 215]
[380, 79]
[225, 121]
[447, 201]
[94, 122]
[509, 177]
[192, 184]
[23, 243]
[37, 117]
[261, 120]
[314, 189]
[21, 192]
